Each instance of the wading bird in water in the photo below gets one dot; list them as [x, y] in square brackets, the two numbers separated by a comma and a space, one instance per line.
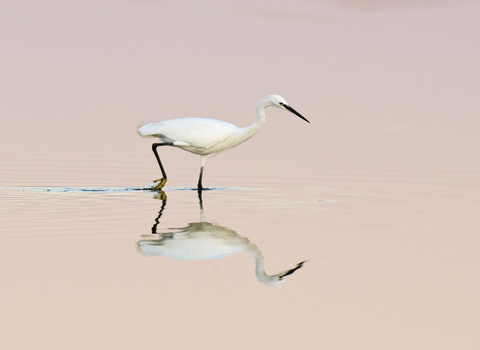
[204, 136]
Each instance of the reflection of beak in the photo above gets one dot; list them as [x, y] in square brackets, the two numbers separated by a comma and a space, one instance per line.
[299, 265]
[295, 112]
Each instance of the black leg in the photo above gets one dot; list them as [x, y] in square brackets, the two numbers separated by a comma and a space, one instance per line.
[202, 164]
[200, 188]
[154, 149]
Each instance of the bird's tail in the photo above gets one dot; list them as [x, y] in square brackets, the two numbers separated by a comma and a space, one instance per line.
[142, 131]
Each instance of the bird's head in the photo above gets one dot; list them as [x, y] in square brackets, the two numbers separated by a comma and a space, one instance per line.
[275, 101]
[279, 102]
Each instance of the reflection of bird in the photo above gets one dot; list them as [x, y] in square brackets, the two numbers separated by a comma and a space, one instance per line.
[203, 241]
[206, 136]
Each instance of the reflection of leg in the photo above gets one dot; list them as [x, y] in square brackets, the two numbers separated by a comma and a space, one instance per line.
[163, 197]
[163, 180]
[203, 217]
[200, 200]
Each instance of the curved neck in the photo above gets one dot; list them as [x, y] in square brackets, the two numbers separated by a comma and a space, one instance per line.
[262, 277]
[247, 132]
[259, 121]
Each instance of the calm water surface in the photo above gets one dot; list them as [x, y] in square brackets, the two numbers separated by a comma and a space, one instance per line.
[396, 259]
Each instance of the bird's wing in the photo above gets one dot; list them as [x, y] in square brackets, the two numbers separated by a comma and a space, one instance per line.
[197, 132]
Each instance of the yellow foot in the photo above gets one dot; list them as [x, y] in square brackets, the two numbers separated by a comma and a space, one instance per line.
[156, 185]
[159, 184]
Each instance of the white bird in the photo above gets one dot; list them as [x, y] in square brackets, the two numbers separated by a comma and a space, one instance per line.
[205, 136]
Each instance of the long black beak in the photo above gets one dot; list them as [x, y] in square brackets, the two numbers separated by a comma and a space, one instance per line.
[295, 112]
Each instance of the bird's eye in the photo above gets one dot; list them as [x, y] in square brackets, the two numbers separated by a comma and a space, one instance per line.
[282, 104]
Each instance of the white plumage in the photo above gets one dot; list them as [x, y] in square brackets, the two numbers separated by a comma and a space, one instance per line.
[196, 135]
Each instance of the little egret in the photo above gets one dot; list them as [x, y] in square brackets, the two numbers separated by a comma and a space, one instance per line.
[204, 136]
